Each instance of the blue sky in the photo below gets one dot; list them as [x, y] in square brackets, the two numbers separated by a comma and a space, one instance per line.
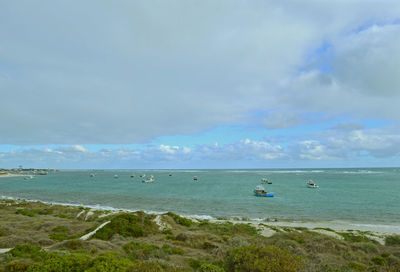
[188, 84]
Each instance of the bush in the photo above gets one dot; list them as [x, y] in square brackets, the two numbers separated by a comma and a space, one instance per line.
[392, 240]
[172, 250]
[139, 251]
[350, 237]
[26, 212]
[229, 229]
[180, 220]
[61, 263]
[268, 259]
[73, 244]
[127, 225]
[378, 260]
[27, 251]
[109, 262]
[207, 267]
[16, 266]
[357, 267]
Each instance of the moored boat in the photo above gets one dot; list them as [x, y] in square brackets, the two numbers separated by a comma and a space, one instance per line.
[266, 181]
[311, 184]
[260, 191]
[148, 180]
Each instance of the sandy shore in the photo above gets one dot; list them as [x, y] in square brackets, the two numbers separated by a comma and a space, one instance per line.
[8, 175]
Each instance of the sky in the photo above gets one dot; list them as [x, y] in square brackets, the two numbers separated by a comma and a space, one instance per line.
[199, 84]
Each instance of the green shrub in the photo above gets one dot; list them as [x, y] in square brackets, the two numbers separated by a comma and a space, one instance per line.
[26, 212]
[207, 267]
[27, 251]
[357, 267]
[351, 237]
[73, 244]
[62, 263]
[140, 266]
[16, 266]
[139, 251]
[172, 250]
[392, 240]
[268, 259]
[180, 220]
[378, 260]
[127, 225]
[109, 262]
[229, 228]
[60, 233]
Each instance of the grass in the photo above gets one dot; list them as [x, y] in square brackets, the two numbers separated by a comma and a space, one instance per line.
[132, 242]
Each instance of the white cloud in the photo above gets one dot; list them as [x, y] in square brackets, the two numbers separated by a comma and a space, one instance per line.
[130, 71]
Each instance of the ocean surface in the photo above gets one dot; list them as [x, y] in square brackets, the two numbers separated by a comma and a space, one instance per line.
[360, 196]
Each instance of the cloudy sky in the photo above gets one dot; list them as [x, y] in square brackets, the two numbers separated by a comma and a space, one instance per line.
[199, 84]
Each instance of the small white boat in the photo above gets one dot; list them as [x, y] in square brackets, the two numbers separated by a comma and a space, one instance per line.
[28, 177]
[149, 180]
[311, 184]
[260, 191]
[264, 180]
[142, 175]
[195, 178]
[116, 176]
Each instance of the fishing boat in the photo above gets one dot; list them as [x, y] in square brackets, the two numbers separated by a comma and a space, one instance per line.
[260, 191]
[311, 184]
[149, 180]
[264, 180]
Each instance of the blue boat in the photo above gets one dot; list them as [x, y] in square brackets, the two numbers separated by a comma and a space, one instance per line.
[260, 191]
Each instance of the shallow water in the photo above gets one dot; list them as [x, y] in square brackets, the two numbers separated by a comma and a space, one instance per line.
[365, 196]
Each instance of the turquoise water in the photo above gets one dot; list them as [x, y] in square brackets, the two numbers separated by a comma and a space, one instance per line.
[368, 196]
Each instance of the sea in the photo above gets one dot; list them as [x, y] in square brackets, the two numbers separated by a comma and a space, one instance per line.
[354, 196]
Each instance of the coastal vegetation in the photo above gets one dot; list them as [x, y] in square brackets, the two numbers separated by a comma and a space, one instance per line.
[41, 237]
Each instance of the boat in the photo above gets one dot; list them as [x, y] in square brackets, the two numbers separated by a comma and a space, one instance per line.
[264, 180]
[195, 178]
[92, 175]
[170, 174]
[260, 191]
[142, 175]
[311, 184]
[132, 176]
[116, 176]
[148, 180]
[28, 177]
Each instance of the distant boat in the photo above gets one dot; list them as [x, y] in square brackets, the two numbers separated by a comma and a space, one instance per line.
[149, 180]
[264, 180]
[260, 191]
[92, 175]
[170, 174]
[116, 176]
[311, 184]
[132, 176]
[28, 177]
[194, 178]
[142, 175]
